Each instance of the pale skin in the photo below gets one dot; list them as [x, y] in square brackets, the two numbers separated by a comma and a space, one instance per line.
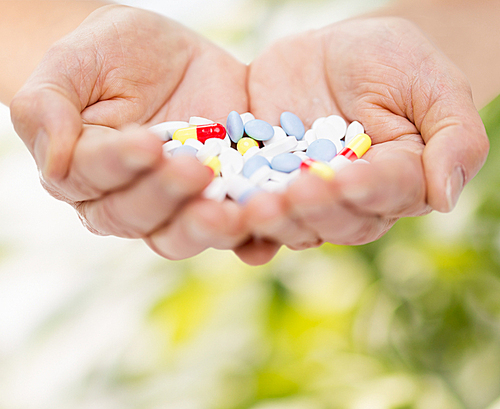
[118, 180]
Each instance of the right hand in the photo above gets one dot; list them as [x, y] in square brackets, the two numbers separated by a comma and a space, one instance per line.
[84, 113]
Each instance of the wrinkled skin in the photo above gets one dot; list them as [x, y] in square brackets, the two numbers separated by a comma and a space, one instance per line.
[133, 67]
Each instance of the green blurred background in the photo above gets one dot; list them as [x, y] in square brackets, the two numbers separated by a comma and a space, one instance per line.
[411, 321]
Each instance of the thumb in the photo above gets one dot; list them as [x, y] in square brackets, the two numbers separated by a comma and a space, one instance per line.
[47, 119]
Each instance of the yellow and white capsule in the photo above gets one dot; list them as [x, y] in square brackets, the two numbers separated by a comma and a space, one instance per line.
[213, 163]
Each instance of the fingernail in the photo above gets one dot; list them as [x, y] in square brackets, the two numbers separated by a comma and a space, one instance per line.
[454, 186]
[41, 150]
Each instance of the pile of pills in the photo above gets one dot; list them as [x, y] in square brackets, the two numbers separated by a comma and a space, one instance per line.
[249, 155]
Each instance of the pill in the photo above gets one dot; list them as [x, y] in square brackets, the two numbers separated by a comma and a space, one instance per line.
[170, 146]
[216, 190]
[279, 134]
[301, 146]
[310, 136]
[322, 150]
[198, 120]
[231, 162]
[213, 163]
[200, 132]
[301, 155]
[320, 169]
[354, 129]
[259, 130]
[234, 126]
[244, 144]
[318, 122]
[208, 151]
[165, 130]
[339, 125]
[185, 150]
[357, 147]
[327, 131]
[339, 162]
[195, 143]
[286, 162]
[292, 125]
[274, 187]
[284, 145]
[241, 189]
[254, 150]
[254, 163]
[246, 117]
[261, 175]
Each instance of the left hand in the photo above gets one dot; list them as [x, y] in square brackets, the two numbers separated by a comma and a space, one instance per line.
[428, 138]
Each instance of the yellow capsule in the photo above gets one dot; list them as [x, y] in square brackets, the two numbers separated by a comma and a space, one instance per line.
[322, 170]
[360, 144]
[184, 134]
[244, 144]
[213, 163]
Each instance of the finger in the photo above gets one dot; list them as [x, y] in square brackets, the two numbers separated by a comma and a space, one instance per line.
[47, 118]
[105, 160]
[456, 147]
[200, 225]
[268, 217]
[148, 204]
[317, 204]
[257, 252]
[391, 185]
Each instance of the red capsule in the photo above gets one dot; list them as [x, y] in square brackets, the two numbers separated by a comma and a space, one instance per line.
[204, 132]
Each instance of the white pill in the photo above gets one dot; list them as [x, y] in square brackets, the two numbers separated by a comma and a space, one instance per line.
[282, 146]
[237, 186]
[198, 120]
[217, 190]
[261, 175]
[195, 143]
[231, 162]
[279, 134]
[272, 186]
[280, 177]
[310, 136]
[212, 149]
[216, 141]
[354, 129]
[318, 122]
[227, 141]
[328, 131]
[254, 150]
[301, 146]
[166, 130]
[339, 124]
[171, 146]
[246, 117]
[301, 155]
[339, 162]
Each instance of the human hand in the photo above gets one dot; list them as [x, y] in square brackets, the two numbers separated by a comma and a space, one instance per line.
[125, 66]
[428, 139]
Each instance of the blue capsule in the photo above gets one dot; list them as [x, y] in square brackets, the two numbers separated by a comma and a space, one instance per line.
[286, 162]
[234, 126]
[254, 163]
[185, 150]
[292, 125]
[259, 130]
[322, 150]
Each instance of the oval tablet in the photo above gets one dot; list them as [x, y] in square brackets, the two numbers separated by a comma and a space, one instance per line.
[254, 163]
[234, 126]
[292, 125]
[259, 130]
[286, 162]
[322, 150]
